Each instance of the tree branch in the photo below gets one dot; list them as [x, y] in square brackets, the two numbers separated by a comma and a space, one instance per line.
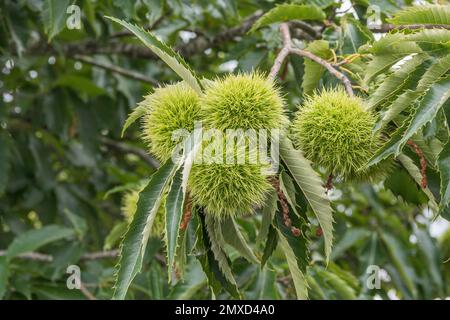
[126, 148]
[127, 73]
[99, 255]
[86, 292]
[36, 256]
[289, 49]
[197, 45]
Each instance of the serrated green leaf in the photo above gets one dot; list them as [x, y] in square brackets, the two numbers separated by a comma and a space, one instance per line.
[115, 235]
[298, 243]
[264, 286]
[444, 170]
[270, 246]
[310, 183]
[135, 240]
[54, 16]
[425, 14]
[217, 243]
[174, 214]
[426, 110]
[299, 279]
[313, 71]
[350, 238]
[167, 54]
[340, 286]
[216, 279]
[138, 112]
[395, 82]
[397, 254]
[235, 238]
[353, 34]
[414, 92]
[35, 239]
[415, 173]
[287, 12]
[194, 281]
[268, 212]
[288, 189]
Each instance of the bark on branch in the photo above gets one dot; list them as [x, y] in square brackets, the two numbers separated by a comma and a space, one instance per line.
[127, 73]
[289, 49]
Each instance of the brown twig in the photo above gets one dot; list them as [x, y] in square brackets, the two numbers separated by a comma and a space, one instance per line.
[86, 292]
[315, 34]
[99, 255]
[36, 256]
[124, 72]
[423, 162]
[126, 148]
[195, 46]
[289, 49]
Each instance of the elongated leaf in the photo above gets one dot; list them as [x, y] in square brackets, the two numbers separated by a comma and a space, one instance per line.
[444, 170]
[287, 12]
[34, 239]
[298, 242]
[351, 237]
[426, 14]
[268, 212]
[379, 64]
[353, 34]
[340, 286]
[174, 215]
[216, 279]
[319, 3]
[313, 71]
[415, 173]
[416, 84]
[115, 235]
[270, 246]
[386, 52]
[79, 223]
[54, 16]
[265, 286]
[345, 275]
[194, 281]
[311, 185]
[235, 238]
[396, 81]
[138, 112]
[399, 259]
[299, 279]
[426, 110]
[173, 59]
[430, 252]
[217, 243]
[134, 243]
[431, 39]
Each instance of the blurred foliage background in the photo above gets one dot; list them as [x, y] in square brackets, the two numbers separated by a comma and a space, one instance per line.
[65, 94]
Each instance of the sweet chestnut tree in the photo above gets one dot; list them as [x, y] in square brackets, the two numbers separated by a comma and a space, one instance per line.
[300, 151]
